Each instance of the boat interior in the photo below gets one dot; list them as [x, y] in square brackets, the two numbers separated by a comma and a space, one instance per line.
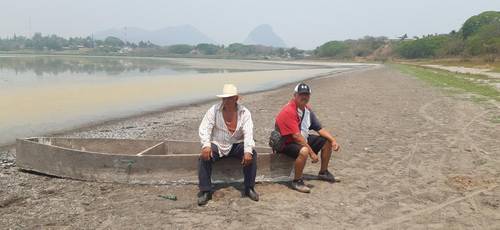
[126, 146]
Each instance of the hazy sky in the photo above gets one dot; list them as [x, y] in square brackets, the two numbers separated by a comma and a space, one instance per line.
[304, 24]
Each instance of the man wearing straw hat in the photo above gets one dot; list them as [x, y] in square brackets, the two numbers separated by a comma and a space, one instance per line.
[227, 131]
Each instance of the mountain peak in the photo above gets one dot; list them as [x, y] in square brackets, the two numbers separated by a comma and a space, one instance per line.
[183, 34]
[264, 35]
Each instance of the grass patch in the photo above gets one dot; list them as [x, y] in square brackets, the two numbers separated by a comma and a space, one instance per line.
[478, 99]
[443, 78]
[495, 69]
[479, 63]
[495, 119]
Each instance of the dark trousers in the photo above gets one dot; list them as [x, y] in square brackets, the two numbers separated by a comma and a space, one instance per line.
[237, 151]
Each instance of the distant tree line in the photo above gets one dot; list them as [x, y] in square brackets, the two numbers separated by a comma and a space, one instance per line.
[479, 36]
[115, 46]
[350, 48]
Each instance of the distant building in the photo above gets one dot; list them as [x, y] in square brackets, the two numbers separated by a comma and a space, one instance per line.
[125, 50]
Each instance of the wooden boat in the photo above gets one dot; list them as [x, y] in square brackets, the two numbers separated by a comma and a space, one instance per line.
[136, 161]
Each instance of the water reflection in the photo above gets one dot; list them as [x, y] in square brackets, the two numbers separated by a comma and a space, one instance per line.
[55, 65]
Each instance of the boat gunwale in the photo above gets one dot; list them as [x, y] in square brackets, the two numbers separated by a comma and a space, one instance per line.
[106, 153]
[139, 154]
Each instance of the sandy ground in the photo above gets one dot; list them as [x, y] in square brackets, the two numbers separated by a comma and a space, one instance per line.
[414, 157]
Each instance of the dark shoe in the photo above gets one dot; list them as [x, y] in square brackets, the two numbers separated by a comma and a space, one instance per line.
[203, 198]
[326, 176]
[300, 186]
[250, 192]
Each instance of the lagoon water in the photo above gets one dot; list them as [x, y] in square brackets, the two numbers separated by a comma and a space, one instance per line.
[45, 94]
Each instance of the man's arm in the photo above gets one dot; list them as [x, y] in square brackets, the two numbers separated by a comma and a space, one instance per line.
[248, 141]
[205, 133]
[316, 126]
[299, 139]
[247, 127]
[324, 133]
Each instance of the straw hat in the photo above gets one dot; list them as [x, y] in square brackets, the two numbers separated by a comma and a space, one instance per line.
[229, 90]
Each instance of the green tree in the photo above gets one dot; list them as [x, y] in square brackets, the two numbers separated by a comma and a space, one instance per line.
[241, 49]
[428, 46]
[54, 42]
[295, 53]
[474, 23]
[485, 41]
[113, 42]
[336, 49]
[38, 41]
[180, 49]
[207, 49]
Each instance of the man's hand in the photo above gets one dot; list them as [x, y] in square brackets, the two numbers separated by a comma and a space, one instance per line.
[206, 153]
[335, 146]
[324, 133]
[247, 159]
[314, 157]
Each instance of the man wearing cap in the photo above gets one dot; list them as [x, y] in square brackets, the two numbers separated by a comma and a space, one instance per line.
[294, 122]
[227, 131]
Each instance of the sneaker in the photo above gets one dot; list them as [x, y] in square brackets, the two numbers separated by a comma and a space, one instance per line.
[326, 176]
[203, 198]
[300, 186]
[252, 194]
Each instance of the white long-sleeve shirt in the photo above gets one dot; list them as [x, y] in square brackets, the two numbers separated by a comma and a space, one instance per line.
[214, 130]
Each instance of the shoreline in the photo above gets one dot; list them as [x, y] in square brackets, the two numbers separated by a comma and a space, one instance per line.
[67, 105]
[146, 113]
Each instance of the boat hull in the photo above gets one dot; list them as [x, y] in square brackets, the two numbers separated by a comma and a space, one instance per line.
[136, 161]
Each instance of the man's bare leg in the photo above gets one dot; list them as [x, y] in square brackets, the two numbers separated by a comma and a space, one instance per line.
[300, 162]
[326, 154]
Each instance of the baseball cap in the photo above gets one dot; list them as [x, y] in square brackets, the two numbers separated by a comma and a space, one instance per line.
[302, 88]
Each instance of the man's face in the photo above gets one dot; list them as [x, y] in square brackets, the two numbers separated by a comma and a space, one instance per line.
[229, 101]
[302, 99]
